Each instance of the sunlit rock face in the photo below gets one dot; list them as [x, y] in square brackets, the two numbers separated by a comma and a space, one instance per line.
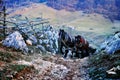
[33, 39]
[15, 40]
[112, 44]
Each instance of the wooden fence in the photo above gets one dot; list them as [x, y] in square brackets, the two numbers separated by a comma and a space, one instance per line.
[5, 28]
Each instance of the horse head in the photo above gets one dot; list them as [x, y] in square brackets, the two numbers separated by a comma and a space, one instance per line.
[61, 34]
[78, 41]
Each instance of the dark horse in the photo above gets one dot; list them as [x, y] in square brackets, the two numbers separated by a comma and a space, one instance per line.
[65, 41]
[82, 46]
[78, 45]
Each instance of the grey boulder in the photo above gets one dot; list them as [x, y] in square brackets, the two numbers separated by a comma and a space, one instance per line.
[112, 44]
[15, 40]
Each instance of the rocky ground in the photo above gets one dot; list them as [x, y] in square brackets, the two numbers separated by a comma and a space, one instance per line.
[14, 65]
[57, 68]
[46, 66]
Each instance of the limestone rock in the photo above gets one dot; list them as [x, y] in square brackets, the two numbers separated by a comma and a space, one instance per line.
[15, 40]
[112, 44]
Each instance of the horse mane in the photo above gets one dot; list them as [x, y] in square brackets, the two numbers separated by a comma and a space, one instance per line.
[66, 35]
[81, 39]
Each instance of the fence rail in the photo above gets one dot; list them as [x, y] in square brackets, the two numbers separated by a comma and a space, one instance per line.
[4, 23]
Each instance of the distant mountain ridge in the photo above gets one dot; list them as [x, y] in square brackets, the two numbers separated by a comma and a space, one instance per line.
[109, 8]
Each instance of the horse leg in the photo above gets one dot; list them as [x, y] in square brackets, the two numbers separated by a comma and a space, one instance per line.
[72, 54]
[78, 54]
[82, 53]
[86, 52]
[61, 46]
[65, 55]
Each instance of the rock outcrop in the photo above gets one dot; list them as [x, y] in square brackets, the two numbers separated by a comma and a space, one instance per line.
[15, 40]
[112, 44]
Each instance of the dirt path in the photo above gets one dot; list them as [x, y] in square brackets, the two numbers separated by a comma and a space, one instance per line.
[57, 68]
[77, 68]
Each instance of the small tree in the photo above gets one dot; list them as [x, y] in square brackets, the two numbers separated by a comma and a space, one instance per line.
[3, 14]
[1, 8]
[4, 22]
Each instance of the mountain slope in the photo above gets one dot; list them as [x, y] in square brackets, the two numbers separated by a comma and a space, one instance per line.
[78, 19]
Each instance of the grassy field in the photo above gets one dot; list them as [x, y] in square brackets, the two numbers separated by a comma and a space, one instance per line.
[82, 22]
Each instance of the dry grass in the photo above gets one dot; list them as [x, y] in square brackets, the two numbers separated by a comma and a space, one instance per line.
[81, 21]
[101, 63]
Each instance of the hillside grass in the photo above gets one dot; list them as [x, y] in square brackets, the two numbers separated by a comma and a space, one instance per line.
[82, 22]
[101, 63]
